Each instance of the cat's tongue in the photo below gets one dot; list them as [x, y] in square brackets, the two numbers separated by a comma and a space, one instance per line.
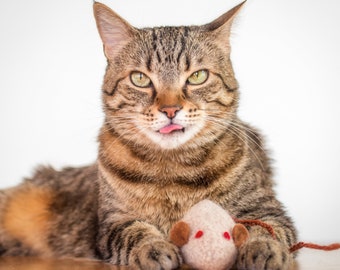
[170, 128]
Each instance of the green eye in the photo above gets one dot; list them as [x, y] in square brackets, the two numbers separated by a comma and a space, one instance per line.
[198, 77]
[139, 79]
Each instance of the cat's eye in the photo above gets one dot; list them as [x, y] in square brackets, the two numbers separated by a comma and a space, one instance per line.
[139, 79]
[198, 77]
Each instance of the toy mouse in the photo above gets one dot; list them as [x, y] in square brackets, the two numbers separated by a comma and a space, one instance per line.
[208, 237]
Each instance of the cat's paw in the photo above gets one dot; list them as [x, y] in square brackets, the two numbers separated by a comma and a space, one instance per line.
[264, 254]
[157, 255]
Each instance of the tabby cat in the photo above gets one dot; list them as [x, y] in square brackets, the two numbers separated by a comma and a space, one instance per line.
[171, 138]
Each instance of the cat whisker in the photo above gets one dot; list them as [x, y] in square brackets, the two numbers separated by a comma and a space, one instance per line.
[131, 134]
[238, 130]
[236, 123]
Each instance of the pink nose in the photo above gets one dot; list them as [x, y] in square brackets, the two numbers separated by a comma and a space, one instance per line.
[170, 111]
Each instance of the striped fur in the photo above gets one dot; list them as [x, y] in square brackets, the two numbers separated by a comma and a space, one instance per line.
[121, 208]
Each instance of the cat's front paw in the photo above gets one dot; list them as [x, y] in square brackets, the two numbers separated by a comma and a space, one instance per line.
[264, 254]
[157, 255]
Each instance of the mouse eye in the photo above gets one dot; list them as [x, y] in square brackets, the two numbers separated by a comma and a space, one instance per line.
[199, 234]
[226, 235]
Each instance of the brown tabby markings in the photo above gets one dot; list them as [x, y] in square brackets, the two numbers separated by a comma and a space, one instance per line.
[121, 208]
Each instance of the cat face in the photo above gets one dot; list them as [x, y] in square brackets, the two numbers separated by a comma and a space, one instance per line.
[168, 87]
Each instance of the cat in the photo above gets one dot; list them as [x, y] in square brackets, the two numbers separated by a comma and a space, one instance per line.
[171, 138]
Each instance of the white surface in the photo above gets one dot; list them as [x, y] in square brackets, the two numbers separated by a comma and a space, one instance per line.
[287, 61]
[309, 259]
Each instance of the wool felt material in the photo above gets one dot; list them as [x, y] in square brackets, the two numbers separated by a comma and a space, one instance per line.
[208, 237]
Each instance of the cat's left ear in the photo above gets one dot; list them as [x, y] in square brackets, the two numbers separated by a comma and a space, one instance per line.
[114, 31]
[222, 25]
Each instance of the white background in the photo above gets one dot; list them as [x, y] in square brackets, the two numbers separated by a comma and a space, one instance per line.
[287, 61]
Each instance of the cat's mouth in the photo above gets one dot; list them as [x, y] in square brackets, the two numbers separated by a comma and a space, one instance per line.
[171, 128]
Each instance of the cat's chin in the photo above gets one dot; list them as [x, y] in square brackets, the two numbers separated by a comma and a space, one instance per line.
[173, 139]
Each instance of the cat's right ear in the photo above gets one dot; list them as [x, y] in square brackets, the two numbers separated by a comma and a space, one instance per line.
[114, 31]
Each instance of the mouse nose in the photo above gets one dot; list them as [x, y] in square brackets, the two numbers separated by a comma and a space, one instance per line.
[170, 111]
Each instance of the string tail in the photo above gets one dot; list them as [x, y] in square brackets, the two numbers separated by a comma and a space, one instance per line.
[314, 246]
[255, 222]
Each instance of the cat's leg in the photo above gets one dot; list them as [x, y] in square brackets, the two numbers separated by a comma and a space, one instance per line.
[137, 244]
[262, 251]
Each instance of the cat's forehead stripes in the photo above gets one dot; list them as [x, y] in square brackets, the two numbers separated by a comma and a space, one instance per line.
[167, 49]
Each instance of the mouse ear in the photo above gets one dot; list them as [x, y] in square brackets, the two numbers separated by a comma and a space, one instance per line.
[240, 234]
[179, 233]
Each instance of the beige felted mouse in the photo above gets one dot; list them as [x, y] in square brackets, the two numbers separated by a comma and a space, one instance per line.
[208, 237]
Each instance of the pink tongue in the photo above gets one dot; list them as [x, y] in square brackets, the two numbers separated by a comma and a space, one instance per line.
[170, 128]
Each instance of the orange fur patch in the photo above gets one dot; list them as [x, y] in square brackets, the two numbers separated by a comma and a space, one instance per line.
[27, 217]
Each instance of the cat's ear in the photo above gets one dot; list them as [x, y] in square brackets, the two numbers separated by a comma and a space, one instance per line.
[222, 25]
[114, 31]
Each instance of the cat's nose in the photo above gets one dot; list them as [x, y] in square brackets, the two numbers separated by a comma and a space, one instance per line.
[170, 111]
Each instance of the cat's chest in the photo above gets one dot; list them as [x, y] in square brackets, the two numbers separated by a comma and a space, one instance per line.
[162, 206]
[155, 203]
